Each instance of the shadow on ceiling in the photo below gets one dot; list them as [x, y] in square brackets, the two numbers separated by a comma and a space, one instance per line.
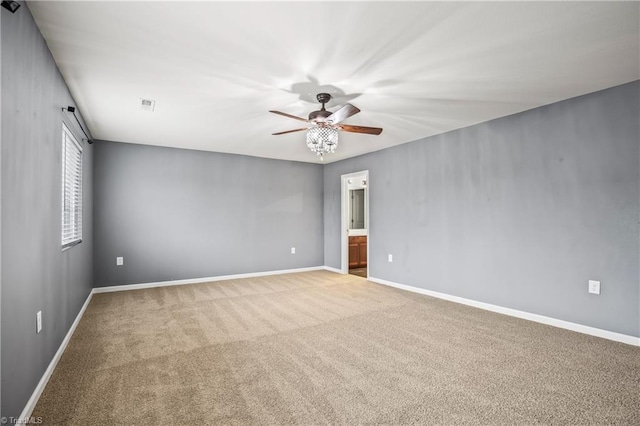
[307, 91]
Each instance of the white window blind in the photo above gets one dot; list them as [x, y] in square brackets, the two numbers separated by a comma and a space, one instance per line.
[71, 189]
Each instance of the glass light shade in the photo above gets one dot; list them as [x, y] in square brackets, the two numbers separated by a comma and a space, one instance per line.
[322, 140]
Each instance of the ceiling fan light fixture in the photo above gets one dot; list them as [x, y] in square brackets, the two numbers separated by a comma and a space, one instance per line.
[322, 139]
[322, 135]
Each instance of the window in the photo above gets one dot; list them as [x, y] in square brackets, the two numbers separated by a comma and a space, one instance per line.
[71, 189]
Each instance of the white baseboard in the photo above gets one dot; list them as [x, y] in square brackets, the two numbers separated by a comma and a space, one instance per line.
[605, 334]
[329, 268]
[35, 396]
[125, 287]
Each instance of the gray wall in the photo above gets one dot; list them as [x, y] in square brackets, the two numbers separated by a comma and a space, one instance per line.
[36, 274]
[178, 214]
[519, 212]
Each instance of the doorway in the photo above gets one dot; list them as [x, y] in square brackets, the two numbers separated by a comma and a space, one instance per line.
[355, 223]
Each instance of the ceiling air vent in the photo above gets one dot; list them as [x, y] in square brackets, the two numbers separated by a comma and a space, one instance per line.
[147, 105]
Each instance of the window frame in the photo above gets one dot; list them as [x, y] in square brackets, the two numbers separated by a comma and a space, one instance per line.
[74, 218]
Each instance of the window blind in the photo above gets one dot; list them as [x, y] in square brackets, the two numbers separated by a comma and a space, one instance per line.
[71, 189]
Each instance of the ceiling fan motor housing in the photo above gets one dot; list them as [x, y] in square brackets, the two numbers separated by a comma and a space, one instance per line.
[319, 116]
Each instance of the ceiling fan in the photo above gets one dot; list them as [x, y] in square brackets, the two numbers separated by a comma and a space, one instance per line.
[323, 126]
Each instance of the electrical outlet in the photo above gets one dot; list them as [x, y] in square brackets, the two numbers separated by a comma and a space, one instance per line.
[119, 261]
[293, 250]
[390, 258]
[594, 287]
[38, 321]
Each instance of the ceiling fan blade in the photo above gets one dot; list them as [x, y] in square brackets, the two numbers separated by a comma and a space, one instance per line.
[361, 129]
[290, 116]
[289, 131]
[342, 114]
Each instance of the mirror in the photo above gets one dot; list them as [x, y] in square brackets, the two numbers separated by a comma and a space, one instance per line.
[356, 209]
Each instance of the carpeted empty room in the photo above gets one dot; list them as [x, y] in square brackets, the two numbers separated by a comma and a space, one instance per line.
[319, 213]
[324, 348]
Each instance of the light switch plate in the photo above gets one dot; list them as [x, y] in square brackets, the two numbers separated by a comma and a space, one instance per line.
[38, 321]
[119, 261]
[390, 258]
[594, 287]
[293, 250]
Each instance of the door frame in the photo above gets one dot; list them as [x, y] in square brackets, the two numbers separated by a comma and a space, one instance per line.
[344, 219]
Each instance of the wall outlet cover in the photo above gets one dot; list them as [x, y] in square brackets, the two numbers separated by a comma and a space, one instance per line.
[119, 261]
[594, 287]
[390, 258]
[293, 250]
[38, 321]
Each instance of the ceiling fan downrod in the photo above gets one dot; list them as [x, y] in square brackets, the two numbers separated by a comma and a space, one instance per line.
[322, 113]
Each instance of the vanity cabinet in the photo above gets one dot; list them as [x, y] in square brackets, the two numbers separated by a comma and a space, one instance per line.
[358, 252]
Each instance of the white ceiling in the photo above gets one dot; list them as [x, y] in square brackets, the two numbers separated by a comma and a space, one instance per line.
[416, 69]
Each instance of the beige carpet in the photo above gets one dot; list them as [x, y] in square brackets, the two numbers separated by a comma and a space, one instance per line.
[322, 348]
